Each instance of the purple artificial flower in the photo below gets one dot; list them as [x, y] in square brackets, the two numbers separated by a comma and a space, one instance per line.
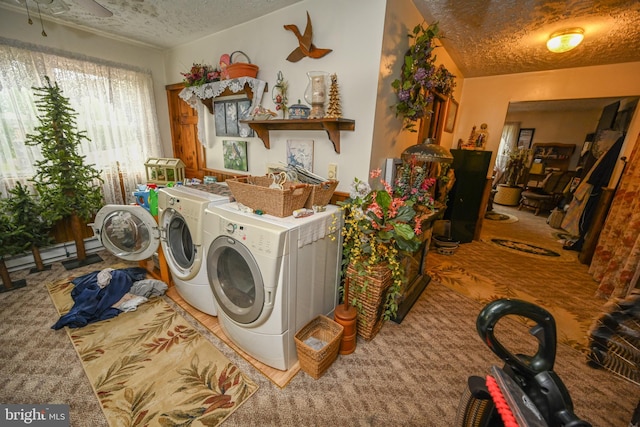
[420, 75]
[404, 95]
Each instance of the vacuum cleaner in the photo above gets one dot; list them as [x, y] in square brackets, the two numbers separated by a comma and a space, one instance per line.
[525, 392]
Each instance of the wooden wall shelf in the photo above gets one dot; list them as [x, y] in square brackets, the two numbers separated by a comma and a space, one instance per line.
[333, 127]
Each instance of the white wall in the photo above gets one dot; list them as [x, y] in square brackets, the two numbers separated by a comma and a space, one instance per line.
[352, 29]
[486, 99]
[14, 26]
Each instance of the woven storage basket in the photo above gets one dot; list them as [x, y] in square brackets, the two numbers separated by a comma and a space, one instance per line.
[372, 298]
[241, 69]
[254, 192]
[321, 194]
[315, 362]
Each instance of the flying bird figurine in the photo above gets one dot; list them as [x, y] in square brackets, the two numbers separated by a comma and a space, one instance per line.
[305, 48]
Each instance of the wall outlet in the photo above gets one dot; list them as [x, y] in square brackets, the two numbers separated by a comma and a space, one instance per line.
[333, 171]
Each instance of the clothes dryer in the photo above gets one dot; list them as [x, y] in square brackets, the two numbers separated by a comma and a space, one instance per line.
[132, 233]
[270, 276]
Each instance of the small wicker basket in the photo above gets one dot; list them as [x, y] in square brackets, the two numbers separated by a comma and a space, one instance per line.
[316, 362]
[254, 192]
[321, 194]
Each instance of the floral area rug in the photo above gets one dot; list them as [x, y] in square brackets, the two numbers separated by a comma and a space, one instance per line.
[151, 367]
[571, 329]
[503, 217]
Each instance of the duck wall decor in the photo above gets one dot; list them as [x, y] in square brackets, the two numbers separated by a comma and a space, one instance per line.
[306, 47]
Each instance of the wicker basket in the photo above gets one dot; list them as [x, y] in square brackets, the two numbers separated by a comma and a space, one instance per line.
[241, 69]
[321, 194]
[315, 362]
[372, 298]
[254, 192]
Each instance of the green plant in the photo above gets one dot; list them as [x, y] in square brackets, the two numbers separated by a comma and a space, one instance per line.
[26, 210]
[383, 225]
[516, 166]
[66, 186]
[420, 77]
[14, 239]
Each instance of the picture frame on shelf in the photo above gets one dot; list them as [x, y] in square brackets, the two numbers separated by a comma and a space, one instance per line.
[525, 137]
[234, 154]
[452, 112]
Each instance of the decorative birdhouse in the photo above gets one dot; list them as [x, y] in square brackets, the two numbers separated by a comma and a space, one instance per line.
[164, 170]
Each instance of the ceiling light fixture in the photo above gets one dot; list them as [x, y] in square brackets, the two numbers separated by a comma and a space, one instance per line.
[565, 40]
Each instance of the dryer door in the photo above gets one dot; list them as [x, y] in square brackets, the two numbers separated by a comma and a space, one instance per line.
[128, 232]
[235, 280]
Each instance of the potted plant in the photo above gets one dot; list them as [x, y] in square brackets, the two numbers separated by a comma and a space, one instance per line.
[27, 212]
[381, 226]
[14, 240]
[420, 77]
[68, 189]
[509, 193]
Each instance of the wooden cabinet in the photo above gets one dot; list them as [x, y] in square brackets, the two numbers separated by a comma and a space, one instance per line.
[554, 155]
[548, 155]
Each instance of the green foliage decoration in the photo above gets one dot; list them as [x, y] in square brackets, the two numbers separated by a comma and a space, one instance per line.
[66, 185]
[14, 238]
[420, 77]
[27, 212]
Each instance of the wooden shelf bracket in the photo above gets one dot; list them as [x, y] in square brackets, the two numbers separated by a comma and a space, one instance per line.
[333, 127]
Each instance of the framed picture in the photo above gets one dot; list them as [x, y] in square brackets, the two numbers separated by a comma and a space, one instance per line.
[227, 116]
[452, 112]
[234, 154]
[525, 137]
[300, 153]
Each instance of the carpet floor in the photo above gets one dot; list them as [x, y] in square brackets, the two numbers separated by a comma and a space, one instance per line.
[412, 374]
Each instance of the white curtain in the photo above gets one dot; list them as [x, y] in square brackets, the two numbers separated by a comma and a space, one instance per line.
[508, 142]
[114, 104]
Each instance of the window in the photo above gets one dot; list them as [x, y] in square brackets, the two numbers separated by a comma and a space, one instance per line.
[114, 104]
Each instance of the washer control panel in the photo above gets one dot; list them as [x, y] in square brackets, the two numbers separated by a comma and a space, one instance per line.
[255, 238]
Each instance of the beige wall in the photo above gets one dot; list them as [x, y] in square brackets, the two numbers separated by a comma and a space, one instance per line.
[486, 99]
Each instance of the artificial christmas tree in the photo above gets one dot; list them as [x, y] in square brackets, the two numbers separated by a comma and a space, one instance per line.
[68, 188]
[334, 110]
[27, 212]
[14, 240]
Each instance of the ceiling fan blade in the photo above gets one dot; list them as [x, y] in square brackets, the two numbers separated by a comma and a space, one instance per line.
[95, 8]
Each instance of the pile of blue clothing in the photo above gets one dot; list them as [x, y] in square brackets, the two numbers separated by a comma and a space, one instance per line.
[95, 294]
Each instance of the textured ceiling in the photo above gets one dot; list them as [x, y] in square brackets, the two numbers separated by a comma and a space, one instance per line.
[484, 37]
[490, 37]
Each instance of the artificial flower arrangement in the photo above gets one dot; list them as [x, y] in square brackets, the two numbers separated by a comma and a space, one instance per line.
[200, 74]
[420, 77]
[380, 226]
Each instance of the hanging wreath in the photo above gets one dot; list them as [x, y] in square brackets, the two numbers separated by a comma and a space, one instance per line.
[420, 77]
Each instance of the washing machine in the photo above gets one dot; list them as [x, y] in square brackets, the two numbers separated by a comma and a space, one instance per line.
[132, 233]
[270, 276]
